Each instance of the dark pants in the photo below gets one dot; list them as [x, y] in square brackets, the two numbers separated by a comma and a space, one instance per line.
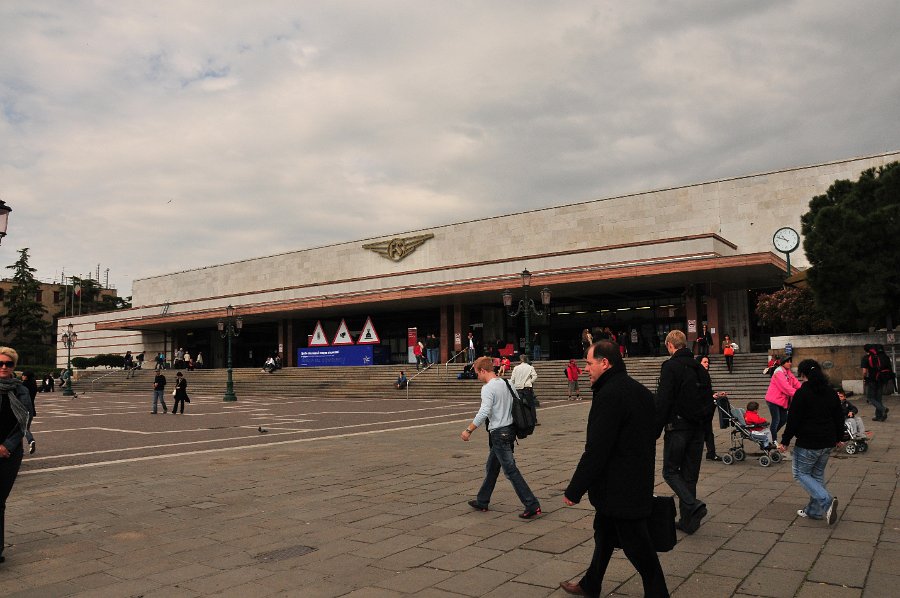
[175, 406]
[682, 453]
[729, 361]
[637, 546]
[710, 439]
[873, 395]
[9, 469]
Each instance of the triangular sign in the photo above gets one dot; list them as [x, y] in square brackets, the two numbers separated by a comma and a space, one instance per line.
[368, 336]
[318, 337]
[342, 336]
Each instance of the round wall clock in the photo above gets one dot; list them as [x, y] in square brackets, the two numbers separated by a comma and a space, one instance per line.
[786, 239]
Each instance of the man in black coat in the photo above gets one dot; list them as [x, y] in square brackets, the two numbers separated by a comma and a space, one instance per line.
[617, 472]
[683, 444]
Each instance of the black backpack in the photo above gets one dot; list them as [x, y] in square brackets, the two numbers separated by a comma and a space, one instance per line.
[524, 416]
[695, 396]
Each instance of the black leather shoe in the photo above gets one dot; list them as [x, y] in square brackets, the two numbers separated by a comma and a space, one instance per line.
[692, 524]
[713, 458]
[474, 504]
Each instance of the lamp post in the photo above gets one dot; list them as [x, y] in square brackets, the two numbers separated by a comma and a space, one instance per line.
[68, 339]
[228, 328]
[4, 218]
[526, 306]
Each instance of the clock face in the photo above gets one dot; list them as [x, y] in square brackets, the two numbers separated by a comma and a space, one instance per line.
[786, 239]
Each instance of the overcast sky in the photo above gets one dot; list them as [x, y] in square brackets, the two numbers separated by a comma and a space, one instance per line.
[152, 137]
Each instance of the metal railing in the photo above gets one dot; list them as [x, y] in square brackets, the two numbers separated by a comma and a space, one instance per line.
[109, 373]
[419, 373]
[451, 360]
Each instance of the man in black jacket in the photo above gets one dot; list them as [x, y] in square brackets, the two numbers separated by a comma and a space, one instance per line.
[683, 444]
[617, 472]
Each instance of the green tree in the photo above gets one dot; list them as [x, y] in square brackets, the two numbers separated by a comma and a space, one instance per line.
[851, 244]
[791, 311]
[24, 325]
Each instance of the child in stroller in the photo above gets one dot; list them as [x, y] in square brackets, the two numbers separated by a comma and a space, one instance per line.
[743, 429]
[855, 436]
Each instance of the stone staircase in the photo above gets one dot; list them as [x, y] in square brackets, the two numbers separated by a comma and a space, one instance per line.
[745, 384]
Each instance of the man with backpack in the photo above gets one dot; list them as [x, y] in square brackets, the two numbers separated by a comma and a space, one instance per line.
[684, 401]
[497, 398]
[873, 379]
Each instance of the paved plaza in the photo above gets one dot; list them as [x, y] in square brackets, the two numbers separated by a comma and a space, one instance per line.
[367, 498]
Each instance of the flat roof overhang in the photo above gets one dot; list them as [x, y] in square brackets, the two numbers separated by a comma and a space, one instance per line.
[754, 270]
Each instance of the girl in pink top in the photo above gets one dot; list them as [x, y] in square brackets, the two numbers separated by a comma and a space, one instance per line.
[781, 390]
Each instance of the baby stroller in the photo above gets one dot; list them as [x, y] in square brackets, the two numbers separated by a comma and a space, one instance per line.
[734, 418]
[854, 443]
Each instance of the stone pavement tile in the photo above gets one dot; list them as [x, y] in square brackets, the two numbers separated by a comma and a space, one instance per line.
[866, 514]
[675, 562]
[171, 592]
[886, 560]
[763, 524]
[820, 590]
[807, 531]
[777, 583]
[477, 581]
[451, 542]
[706, 585]
[699, 542]
[725, 530]
[759, 542]
[863, 550]
[372, 536]
[560, 541]
[132, 587]
[464, 559]
[134, 570]
[860, 532]
[516, 561]
[414, 580]
[412, 557]
[222, 580]
[294, 579]
[438, 593]
[891, 531]
[370, 592]
[734, 515]
[506, 540]
[729, 563]
[881, 585]
[253, 588]
[792, 555]
[184, 573]
[388, 547]
[549, 572]
[841, 570]
[519, 590]
[580, 554]
[635, 587]
[376, 521]
[864, 502]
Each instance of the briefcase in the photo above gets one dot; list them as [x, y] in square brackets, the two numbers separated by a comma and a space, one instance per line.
[661, 524]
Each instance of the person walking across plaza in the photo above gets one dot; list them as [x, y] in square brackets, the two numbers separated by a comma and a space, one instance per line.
[159, 387]
[871, 368]
[684, 400]
[15, 413]
[180, 394]
[496, 412]
[522, 379]
[816, 420]
[782, 387]
[573, 372]
[616, 471]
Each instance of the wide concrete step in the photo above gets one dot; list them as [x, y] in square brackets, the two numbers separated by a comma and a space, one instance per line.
[747, 382]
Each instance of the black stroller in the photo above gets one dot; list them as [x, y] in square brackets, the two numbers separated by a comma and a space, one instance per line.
[734, 418]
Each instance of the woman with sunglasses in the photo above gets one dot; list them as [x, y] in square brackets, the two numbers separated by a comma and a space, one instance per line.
[15, 408]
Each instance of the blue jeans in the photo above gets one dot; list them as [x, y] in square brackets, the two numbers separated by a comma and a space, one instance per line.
[502, 441]
[434, 355]
[158, 397]
[470, 354]
[809, 471]
[873, 395]
[779, 419]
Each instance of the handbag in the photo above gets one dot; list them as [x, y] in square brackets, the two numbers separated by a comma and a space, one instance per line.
[660, 524]
[173, 392]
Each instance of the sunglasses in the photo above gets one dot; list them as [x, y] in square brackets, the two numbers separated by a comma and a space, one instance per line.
[8, 364]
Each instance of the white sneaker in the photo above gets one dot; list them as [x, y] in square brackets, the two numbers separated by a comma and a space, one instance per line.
[832, 513]
[802, 513]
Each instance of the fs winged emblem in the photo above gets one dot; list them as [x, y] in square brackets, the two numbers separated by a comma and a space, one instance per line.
[397, 249]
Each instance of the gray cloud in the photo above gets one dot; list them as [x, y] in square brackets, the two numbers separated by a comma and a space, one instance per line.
[156, 137]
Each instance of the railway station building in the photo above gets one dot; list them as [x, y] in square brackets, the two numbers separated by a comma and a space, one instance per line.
[641, 264]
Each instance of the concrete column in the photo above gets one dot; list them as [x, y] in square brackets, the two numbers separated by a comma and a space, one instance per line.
[445, 331]
[290, 350]
[458, 328]
[691, 313]
[712, 318]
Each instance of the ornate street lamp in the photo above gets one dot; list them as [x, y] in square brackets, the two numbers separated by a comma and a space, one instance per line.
[4, 218]
[68, 339]
[526, 306]
[228, 328]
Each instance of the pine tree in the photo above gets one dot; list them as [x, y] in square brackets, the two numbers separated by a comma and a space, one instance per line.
[24, 326]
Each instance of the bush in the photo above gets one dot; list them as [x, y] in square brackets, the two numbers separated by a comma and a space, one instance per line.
[111, 360]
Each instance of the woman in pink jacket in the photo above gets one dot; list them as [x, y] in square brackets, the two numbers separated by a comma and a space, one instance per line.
[781, 389]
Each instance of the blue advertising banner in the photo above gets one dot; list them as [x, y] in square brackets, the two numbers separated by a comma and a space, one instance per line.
[343, 356]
